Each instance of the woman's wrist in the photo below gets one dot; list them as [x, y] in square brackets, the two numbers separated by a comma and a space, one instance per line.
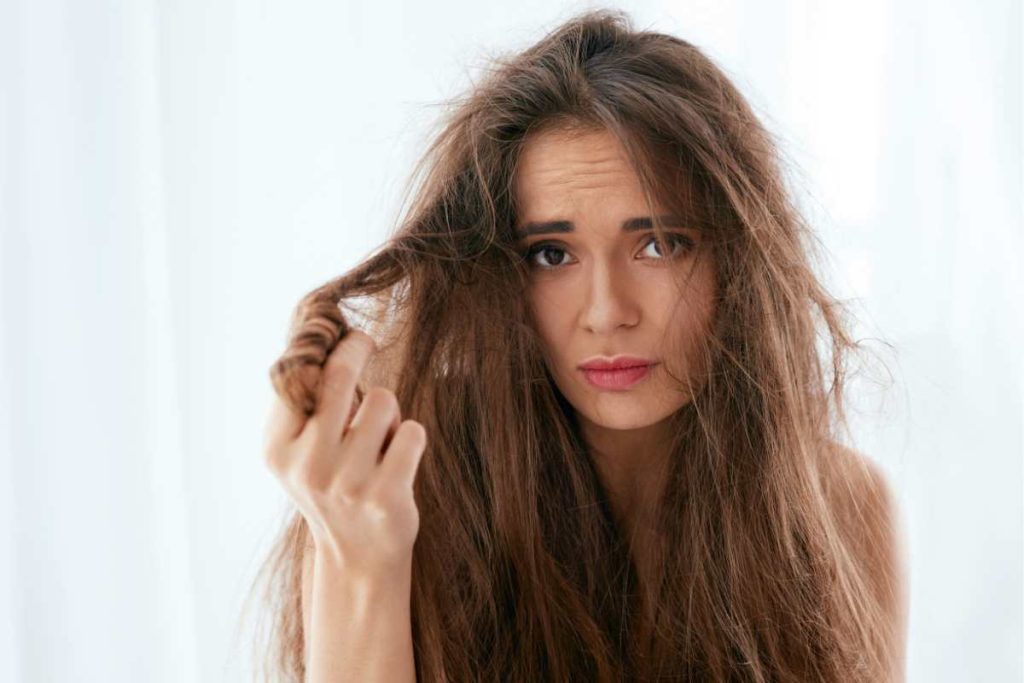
[361, 585]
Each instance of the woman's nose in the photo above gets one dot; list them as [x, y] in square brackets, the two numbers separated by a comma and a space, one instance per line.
[609, 301]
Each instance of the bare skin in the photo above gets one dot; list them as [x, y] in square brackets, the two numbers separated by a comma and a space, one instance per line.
[350, 470]
[870, 519]
[601, 290]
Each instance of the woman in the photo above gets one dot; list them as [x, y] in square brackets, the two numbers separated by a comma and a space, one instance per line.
[499, 507]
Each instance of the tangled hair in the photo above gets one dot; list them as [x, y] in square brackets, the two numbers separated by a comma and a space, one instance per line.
[520, 572]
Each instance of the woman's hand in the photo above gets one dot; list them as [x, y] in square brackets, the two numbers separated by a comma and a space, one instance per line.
[359, 504]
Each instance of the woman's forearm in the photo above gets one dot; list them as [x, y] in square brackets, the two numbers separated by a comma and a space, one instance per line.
[361, 626]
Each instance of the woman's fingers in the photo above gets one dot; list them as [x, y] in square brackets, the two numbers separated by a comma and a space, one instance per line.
[396, 420]
[364, 431]
[372, 427]
[281, 427]
[360, 510]
[341, 373]
[402, 457]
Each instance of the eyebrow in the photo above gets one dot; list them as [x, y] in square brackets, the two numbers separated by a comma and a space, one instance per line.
[628, 225]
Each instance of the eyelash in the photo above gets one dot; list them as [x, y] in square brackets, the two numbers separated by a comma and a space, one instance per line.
[542, 246]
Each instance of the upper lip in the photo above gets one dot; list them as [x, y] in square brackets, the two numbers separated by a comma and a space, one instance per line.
[614, 362]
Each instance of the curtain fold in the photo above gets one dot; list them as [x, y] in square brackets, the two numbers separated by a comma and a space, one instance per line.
[97, 559]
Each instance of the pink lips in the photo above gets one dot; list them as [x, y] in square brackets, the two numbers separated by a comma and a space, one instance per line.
[617, 379]
[621, 372]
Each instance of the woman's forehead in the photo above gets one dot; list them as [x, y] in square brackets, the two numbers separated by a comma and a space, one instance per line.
[558, 156]
[564, 173]
[556, 173]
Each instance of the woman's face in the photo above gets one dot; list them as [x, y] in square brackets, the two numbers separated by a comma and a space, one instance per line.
[601, 286]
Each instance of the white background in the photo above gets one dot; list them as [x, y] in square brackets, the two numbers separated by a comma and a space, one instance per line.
[174, 176]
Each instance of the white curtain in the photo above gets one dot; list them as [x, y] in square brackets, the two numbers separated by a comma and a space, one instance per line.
[173, 176]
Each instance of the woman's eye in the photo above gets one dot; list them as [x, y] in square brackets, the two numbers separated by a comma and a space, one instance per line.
[555, 256]
[545, 249]
[680, 243]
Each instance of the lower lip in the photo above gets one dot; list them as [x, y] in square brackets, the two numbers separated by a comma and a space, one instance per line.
[617, 379]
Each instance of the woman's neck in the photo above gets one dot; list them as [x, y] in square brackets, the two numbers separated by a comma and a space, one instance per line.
[632, 466]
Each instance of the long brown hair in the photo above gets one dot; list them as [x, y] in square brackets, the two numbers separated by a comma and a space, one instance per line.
[519, 570]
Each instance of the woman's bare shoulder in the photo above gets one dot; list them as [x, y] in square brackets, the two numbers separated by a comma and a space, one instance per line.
[868, 511]
[862, 492]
